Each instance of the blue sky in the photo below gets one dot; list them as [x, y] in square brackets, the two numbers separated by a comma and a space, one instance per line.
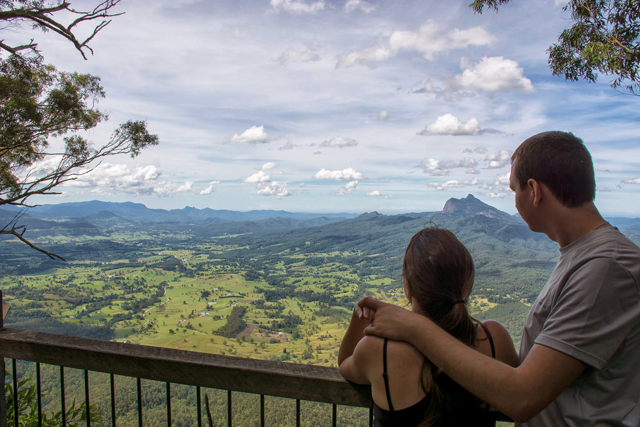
[334, 106]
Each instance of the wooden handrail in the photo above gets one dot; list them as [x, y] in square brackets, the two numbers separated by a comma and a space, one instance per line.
[305, 382]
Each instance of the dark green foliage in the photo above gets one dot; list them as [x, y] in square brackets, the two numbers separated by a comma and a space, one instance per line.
[604, 38]
[75, 415]
[235, 324]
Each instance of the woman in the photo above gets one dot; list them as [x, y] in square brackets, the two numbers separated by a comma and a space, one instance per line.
[407, 389]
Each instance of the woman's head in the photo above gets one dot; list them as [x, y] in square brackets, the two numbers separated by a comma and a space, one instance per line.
[438, 271]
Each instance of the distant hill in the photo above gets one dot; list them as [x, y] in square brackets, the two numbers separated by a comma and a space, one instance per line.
[188, 215]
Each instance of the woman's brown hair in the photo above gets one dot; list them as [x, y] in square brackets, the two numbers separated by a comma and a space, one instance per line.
[438, 272]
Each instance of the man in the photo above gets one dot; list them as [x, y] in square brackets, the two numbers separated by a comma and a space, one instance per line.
[580, 350]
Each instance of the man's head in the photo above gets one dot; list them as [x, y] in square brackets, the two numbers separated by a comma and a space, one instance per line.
[560, 161]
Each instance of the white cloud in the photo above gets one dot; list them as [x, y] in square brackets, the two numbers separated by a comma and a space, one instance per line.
[499, 160]
[429, 40]
[290, 55]
[452, 184]
[364, 6]
[297, 7]
[274, 189]
[448, 124]
[503, 179]
[340, 142]
[439, 167]
[632, 181]
[383, 115]
[375, 193]
[210, 189]
[498, 195]
[316, 153]
[110, 178]
[253, 135]
[258, 177]
[347, 189]
[472, 171]
[494, 74]
[348, 174]
[268, 166]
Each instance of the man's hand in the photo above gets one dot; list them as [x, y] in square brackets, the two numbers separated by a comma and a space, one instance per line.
[388, 320]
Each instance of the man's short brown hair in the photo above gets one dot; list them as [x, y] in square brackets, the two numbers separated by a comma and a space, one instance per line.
[560, 161]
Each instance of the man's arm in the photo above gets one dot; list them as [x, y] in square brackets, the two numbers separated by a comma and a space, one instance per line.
[519, 392]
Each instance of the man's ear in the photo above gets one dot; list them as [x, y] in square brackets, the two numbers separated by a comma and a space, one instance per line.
[536, 191]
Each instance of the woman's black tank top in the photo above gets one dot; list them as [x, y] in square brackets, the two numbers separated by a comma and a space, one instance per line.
[459, 407]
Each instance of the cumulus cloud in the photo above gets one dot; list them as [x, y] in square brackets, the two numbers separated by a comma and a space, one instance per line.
[493, 74]
[210, 189]
[290, 55]
[288, 146]
[268, 166]
[297, 7]
[362, 5]
[498, 195]
[347, 189]
[340, 142]
[503, 179]
[478, 150]
[472, 171]
[274, 189]
[377, 193]
[498, 160]
[348, 174]
[110, 178]
[253, 135]
[452, 184]
[439, 167]
[448, 124]
[632, 181]
[429, 40]
[383, 115]
[316, 153]
[258, 177]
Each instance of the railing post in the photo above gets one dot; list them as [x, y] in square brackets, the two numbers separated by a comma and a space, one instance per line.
[3, 396]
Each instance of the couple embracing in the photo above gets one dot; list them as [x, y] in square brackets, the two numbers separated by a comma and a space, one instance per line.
[579, 358]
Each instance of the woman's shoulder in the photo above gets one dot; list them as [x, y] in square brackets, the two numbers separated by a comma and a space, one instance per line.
[372, 347]
[504, 348]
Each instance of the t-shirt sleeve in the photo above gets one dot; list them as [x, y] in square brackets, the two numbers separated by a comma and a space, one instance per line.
[594, 313]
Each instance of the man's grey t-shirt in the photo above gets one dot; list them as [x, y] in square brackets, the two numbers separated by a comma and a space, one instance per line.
[590, 310]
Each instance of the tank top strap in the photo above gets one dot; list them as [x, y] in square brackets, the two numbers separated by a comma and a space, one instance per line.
[493, 347]
[385, 373]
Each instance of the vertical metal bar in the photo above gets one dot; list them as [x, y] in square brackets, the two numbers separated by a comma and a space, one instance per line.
[370, 417]
[87, 402]
[334, 415]
[16, 404]
[262, 410]
[139, 403]
[168, 404]
[39, 390]
[3, 396]
[62, 402]
[113, 401]
[297, 412]
[199, 405]
[229, 409]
